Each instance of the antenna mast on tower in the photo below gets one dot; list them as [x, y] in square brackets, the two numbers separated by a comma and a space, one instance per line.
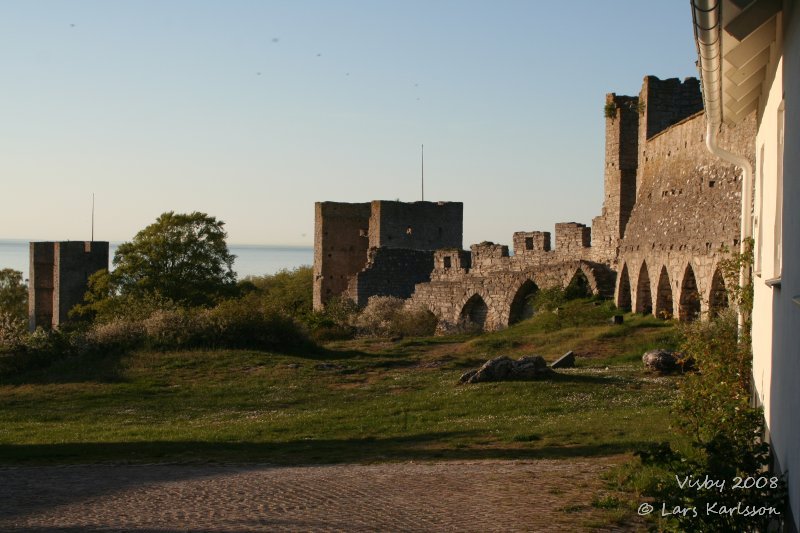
[92, 217]
[423, 172]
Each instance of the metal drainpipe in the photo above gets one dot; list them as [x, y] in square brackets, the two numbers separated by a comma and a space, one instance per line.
[707, 32]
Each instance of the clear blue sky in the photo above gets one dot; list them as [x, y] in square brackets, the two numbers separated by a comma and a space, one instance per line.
[253, 110]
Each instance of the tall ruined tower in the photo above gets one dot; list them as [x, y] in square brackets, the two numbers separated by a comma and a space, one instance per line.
[379, 248]
[59, 275]
[341, 240]
[622, 136]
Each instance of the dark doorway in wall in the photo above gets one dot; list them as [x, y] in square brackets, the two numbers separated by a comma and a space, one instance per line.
[474, 312]
[522, 306]
[664, 307]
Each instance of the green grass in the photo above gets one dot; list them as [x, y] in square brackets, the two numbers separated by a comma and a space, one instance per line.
[356, 401]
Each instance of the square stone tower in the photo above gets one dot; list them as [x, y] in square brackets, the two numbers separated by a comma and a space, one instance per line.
[59, 275]
[381, 247]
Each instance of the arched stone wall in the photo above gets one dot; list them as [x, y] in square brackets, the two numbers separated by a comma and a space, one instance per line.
[689, 300]
[665, 307]
[717, 294]
[623, 292]
[520, 307]
[475, 311]
[644, 296]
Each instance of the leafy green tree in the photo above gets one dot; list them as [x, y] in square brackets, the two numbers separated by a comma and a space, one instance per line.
[13, 294]
[180, 257]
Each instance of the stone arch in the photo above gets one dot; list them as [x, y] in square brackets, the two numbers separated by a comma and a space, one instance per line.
[644, 297]
[664, 305]
[624, 289]
[474, 312]
[689, 301]
[589, 274]
[718, 295]
[579, 285]
[521, 306]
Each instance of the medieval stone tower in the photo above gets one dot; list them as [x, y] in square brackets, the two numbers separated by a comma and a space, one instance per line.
[379, 248]
[622, 134]
[59, 274]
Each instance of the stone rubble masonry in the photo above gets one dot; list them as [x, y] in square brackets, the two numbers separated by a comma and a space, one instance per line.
[350, 240]
[622, 146]
[416, 225]
[687, 211]
[341, 241]
[59, 275]
[669, 211]
[665, 104]
[526, 241]
[390, 272]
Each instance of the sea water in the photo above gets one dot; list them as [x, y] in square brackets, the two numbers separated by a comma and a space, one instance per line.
[251, 260]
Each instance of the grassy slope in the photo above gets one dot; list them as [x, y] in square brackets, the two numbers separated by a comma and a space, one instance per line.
[364, 400]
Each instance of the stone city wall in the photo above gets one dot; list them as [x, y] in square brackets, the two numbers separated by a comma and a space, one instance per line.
[669, 208]
[390, 272]
[687, 211]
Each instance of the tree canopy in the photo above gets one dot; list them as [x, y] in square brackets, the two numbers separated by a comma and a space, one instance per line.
[13, 294]
[180, 257]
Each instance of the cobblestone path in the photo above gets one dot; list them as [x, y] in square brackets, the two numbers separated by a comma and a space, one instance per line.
[546, 495]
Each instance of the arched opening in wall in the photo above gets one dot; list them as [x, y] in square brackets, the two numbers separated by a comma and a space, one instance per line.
[522, 306]
[578, 286]
[644, 300]
[473, 314]
[718, 297]
[689, 308]
[624, 291]
[664, 296]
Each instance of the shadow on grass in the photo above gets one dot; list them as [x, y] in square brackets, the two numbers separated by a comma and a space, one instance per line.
[109, 367]
[599, 379]
[29, 369]
[426, 446]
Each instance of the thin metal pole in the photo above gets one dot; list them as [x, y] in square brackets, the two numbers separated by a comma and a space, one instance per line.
[423, 172]
[92, 217]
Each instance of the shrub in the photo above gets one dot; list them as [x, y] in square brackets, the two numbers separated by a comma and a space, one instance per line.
[287, 291]
[241, 324]
[173, 328]
[388, 316]
[375, 320]
[334, 322]
[117, 335]
[413, 322]
[12, 330]
[549, 299]
[40, 348]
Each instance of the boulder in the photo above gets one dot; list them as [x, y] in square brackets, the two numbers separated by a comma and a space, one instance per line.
[666, 361]
[565, 361]
[503, 368]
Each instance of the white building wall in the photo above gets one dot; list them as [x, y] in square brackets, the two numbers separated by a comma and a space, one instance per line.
[776, 313]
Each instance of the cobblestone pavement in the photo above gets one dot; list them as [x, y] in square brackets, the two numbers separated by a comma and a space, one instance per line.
[546, 495]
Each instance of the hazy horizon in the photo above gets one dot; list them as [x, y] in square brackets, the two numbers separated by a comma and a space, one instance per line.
[251, 111]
